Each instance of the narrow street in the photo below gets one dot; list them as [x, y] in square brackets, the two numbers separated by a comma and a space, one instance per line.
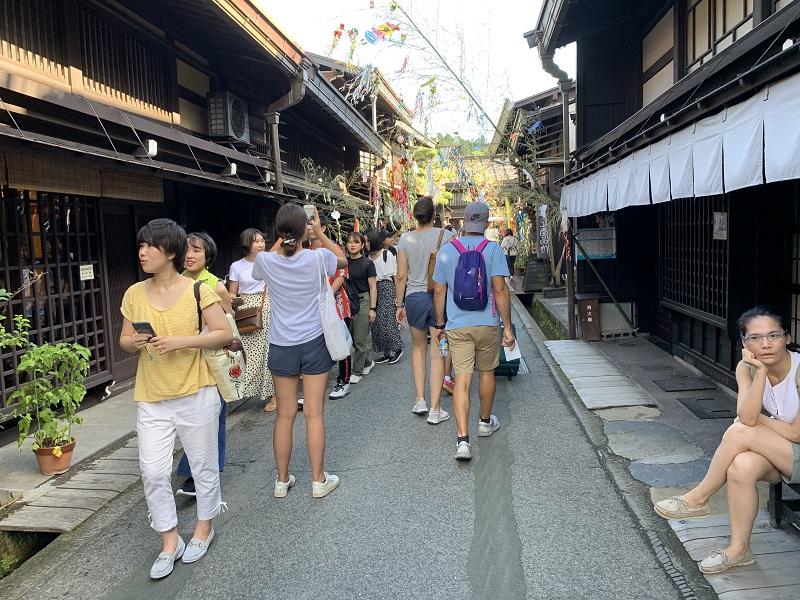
[534, 514]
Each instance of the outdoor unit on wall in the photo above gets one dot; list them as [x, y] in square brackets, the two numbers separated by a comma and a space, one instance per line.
[227, 117]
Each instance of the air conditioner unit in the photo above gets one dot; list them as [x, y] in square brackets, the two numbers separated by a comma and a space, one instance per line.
[227, 117]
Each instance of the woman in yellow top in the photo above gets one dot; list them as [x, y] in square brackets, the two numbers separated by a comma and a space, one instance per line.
[174, 387]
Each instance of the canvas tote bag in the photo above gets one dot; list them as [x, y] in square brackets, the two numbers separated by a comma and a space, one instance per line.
[337, 337]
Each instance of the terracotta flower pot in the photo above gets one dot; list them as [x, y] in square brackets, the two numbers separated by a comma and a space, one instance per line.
[55, 464]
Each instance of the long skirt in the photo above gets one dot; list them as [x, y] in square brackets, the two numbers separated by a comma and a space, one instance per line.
[385, 330]
[258, 379]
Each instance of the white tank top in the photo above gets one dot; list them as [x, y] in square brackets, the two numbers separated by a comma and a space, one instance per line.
[782, 400]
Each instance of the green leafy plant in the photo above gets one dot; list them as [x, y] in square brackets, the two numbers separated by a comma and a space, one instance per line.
[53, 386]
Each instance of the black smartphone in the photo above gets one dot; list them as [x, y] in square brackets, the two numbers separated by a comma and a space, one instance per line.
[143, 327]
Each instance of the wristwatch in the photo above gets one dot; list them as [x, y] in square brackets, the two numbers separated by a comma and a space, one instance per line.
[399, 304]
[442, 326]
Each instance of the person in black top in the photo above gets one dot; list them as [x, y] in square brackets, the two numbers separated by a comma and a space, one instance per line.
[363, 280]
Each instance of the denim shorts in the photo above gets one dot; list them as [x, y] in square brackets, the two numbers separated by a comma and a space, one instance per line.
[419, 310]
[795, 465]
[310, 358]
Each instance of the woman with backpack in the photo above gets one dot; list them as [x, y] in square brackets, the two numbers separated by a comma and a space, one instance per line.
[386, 340]
[362, 284]
[294, 277]
[416, 255]
[757, 447]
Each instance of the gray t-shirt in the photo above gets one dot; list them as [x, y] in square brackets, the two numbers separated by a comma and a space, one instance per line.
[418, 246]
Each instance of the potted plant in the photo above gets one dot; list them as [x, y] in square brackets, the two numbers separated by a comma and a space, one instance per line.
[49, 397]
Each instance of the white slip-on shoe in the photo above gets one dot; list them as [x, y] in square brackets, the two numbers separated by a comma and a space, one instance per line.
[463, 452]
[487, 429]
[368, 368]
[355, 378]
[282, 487]
[438, 416]
[166, 561]
[420, 408]
[320, 489]
[196, 549]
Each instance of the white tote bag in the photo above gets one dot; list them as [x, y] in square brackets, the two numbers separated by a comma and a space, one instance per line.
[337, 337]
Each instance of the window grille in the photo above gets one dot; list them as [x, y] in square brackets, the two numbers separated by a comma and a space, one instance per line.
[713, 25]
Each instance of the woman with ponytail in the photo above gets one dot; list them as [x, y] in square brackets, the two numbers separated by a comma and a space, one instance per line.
[296, 341]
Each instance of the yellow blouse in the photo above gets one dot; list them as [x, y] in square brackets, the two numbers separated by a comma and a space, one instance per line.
[173, 374]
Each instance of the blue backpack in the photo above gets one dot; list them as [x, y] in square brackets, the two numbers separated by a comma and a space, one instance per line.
[470, 283]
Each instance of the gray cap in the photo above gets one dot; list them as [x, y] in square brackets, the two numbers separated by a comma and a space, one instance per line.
[476, 217]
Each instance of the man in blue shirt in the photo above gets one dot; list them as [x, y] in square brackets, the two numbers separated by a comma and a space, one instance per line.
[474, 336]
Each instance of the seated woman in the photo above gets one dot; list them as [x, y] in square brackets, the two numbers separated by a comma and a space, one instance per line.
[756, 447]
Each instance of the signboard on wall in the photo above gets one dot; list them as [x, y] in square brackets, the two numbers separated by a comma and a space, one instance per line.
[720, 226]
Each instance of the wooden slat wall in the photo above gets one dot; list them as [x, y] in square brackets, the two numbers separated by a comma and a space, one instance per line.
[29, 34]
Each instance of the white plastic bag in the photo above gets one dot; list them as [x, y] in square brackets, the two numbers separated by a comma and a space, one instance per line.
[337, 337]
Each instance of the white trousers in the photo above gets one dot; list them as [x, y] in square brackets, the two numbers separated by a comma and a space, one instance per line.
[195, 419]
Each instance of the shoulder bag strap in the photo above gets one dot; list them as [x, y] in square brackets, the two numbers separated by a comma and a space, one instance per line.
[441, 236]
[197, 285]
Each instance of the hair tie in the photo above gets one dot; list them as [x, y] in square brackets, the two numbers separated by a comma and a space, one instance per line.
[289, 241]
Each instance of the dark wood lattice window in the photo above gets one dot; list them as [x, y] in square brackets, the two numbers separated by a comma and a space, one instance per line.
[51, 242]
[118, 64]
[31, 33]
[694, 261]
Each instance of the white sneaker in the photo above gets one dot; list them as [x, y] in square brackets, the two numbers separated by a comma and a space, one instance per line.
[367, 368]
[282, 487]
[437, 416]
[463, 451]
[487, 429]
[420, 408]
[320, 489]
[340, 391]
[355, 378]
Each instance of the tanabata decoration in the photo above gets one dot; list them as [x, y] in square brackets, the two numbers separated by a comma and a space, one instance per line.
[336, 215]
[364, 86]
[352, 34]
[371, 37]
[337, 35]
[404, 66]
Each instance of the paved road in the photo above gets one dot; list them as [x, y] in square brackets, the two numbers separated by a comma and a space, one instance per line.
[532, 516]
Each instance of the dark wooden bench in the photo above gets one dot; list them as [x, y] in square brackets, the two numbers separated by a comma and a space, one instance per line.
[783, 510]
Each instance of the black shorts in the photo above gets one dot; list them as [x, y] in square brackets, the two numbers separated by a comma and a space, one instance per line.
[310, 358]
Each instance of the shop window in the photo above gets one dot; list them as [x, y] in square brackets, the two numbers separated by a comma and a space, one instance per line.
[51, 258]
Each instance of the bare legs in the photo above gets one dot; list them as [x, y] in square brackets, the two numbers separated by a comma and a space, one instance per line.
[745, 456]
[486, 389]
[314, 401]
[419, 341]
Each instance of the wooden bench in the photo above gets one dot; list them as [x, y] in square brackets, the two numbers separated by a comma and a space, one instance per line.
[782, 510]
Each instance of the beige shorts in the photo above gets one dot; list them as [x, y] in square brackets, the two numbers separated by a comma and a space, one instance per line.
[474, 347]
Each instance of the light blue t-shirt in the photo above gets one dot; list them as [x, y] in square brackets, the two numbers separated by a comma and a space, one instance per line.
[496, 266]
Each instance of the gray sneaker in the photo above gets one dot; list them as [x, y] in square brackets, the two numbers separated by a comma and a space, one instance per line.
[166, 562]
[718, 561]
[463, 452]
[438, 416]
[487, 429]
[676, 508]
[420, 408]
[197, 548]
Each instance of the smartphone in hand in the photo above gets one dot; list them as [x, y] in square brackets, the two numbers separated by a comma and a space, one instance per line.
[144, 327]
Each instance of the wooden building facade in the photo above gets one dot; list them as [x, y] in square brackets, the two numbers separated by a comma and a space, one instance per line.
[116, 112]
[688, 142]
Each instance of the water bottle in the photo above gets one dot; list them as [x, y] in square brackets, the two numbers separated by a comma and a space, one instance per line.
[444, 347]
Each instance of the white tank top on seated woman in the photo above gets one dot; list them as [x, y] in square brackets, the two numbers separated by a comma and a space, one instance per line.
[242, 272]
[782, 400]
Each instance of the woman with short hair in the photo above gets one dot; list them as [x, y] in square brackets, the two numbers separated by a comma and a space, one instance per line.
[175, 391]
[253, 294]
[756, 447]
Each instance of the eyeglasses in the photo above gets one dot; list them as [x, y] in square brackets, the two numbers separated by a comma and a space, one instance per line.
[772, 336]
